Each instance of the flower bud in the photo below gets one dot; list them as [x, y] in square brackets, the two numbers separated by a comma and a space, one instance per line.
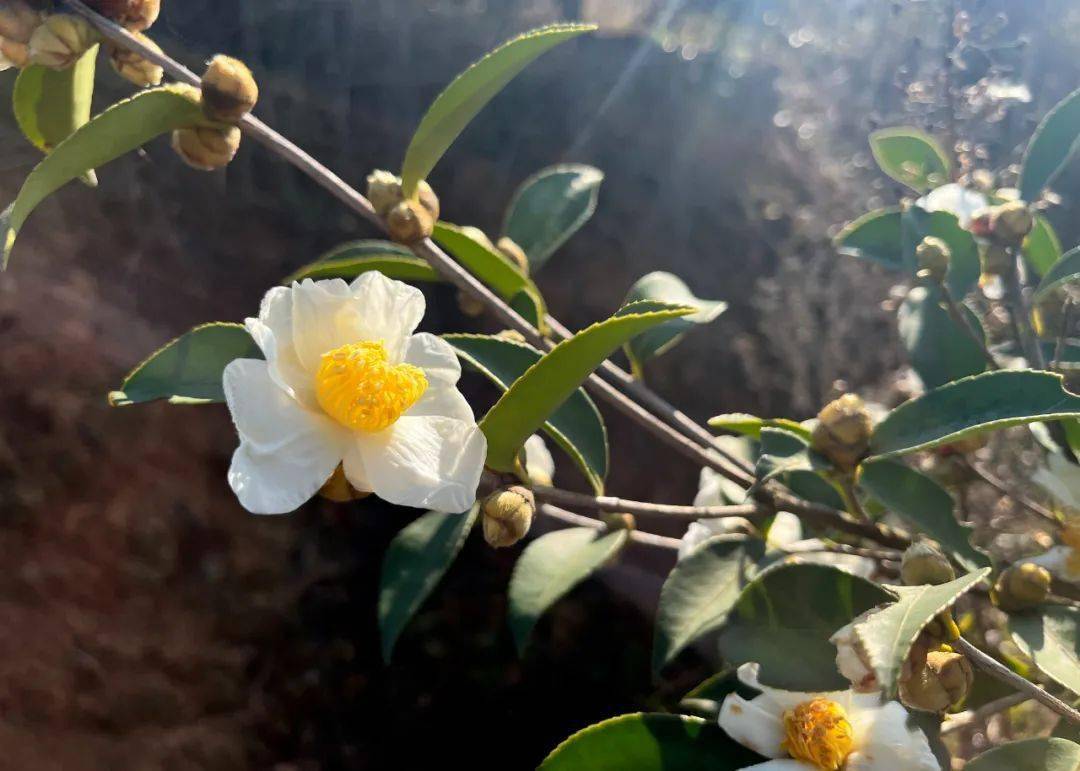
[207, 147]
[18, 21]
[229, 90]
[338, 489]
[134, 68]
[136, 15]
[1021, 587]
[384, 192]
[13, 54]
[514, 253]
[61, 40]
[924, 564]
[842, 433]
[409, 222]
[852, 660]
[936, 683]
[1011, 222]
[933, 256]
[507, 515]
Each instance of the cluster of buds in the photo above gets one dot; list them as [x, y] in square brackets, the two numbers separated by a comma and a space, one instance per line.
[933, 256]
[61, 40]
[842, 433]
[18, 20]
[135, 15]
[408, 220]
[1021, 587]
[135, 68]
[935, 677]
[507, 515]
[228, 93]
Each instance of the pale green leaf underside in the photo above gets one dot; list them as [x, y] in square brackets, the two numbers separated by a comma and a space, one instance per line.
[576, 425]
[415, 562]
[122, 128]
[1050, 635]
[911, 157]
[189, 369]
[350, 259]
[50, 105]
[1049, 754]
[455, 107]
[533, 397]
[669, 288]
[888, 634]
[1052, 145]
[550, 567]
[988, 401]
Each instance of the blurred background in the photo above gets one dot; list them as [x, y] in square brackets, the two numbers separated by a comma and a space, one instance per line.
[147, 622]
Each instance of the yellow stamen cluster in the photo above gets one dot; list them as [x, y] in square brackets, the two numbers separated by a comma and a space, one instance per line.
[818, 732]
[358, 387]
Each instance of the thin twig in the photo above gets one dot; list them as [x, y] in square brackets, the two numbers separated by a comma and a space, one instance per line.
[637, 536]
[999, 671]
[999, 485]
[612, 504]
[964, 324]
[982, 714]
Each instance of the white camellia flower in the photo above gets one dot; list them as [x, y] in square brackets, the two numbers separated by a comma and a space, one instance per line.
[835, 731]
[345, 381]
[956, 199]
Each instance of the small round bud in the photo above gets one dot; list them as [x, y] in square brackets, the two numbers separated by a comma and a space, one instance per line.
[134, 68]
[936, 683]
[924, 564]
[933, 256]
[1011, 222]
[18, 21]
[384, 191]
[61, 40]
[1021, 587]
[514, 253]
[507, 515]
[206, 147]
[136, 15]
[842, 433]
[409, 222]
[339, 490]
[229, 90]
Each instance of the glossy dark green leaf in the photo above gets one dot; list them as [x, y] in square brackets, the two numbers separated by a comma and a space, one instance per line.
[699, 593]
[1050, 635]
[939, 351]
[875, 236]
[1041, 247]
[551, 206]
[1030, 755]
[189, 369]
[576, 426]
[989, 401]
[1064, 271]
[650, 742]
[350, 259]
[415, 562]
[785, 617]
[667, 288]
[924, 505]
[550, 567]
[911, 157]
[470, 91]
[1051, 147]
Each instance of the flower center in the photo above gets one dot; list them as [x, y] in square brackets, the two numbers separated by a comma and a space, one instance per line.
[818, 732]
[360, 389]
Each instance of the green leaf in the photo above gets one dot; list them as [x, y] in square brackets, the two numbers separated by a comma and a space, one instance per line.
[1051, 637]
[650, 742]
[938, 349]
[668, 288]
[50, 105]
[989, 401]
[122, 128]
[189, 369]
[1029, 755]
[493, 268]
[699, 593]
[751, 425]
[964, 266]
[888, 634]
[1042, 247]
[875, 236]
[533, 397]
[785, 617]
[550, 567]
[911, 157]
[576, 425]
[455, 107]
[1064, 271]
[923, 504]
[549, 207]
[415, 562]
[351, 259]
[1051, 147]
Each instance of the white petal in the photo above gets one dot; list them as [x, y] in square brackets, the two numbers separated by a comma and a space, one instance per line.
[785, 529]
[433, 355]
[1062, 480]
[953, 198]
[324, 317]
[429, 462]
[267, 417]
[708, 493]
[280, 481]
[391, 310]
[355, 470]
[442, 400]
[753, 724]
[884, 742]
[538, 461]
[273, 333]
